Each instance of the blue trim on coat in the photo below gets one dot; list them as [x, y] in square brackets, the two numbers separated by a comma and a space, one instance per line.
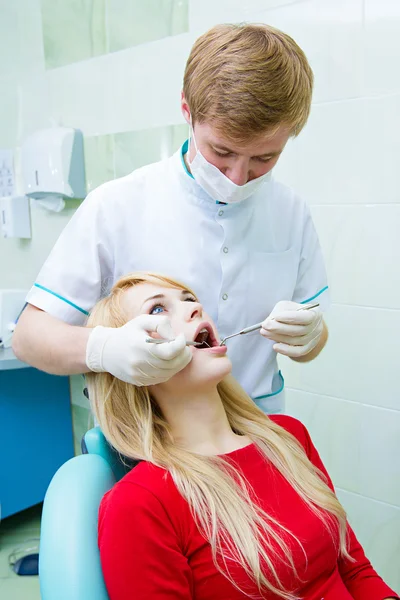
[41, 287]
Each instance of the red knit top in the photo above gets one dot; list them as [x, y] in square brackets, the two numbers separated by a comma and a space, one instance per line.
[151, 548]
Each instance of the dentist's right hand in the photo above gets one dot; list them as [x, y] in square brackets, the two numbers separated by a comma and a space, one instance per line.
[124, 352]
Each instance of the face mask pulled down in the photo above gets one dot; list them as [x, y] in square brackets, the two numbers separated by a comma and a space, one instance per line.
[217, 185]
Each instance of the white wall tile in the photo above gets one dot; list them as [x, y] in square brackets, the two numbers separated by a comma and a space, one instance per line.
[9, 105]
[148, 83]
[21, 47]
[31, 54]
[204, 14]
[348, 153]
[34, 105]
[382, 46]
[381, 141]
[319, 26]
[9, 50]
[81, 95]
[316, 25]
[377, 527]
[359, 444]
[361, 246]
[360, 361]
[137, 88]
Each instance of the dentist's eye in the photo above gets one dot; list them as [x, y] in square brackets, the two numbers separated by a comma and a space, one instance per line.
[191, 299]
[157, 309]
[223, 154]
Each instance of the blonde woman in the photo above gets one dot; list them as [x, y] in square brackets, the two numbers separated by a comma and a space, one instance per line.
[227, 502]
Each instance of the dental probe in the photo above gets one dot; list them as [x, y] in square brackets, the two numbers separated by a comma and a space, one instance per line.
[258, 325]
[150, 340]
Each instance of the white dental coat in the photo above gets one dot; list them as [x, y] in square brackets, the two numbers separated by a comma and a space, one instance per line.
[240, 259]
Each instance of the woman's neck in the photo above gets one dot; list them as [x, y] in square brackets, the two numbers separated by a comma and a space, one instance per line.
[199, 422]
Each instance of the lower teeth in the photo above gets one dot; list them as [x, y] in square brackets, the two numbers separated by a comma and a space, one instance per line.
[203, 346]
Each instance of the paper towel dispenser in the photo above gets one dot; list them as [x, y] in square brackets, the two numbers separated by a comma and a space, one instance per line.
[53, 165]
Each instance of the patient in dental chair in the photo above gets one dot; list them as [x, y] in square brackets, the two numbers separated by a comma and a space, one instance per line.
[226, 503]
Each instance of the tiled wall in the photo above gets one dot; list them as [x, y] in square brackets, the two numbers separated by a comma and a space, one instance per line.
[114, 68]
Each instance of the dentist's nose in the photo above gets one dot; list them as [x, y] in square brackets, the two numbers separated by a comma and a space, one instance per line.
[238, 173]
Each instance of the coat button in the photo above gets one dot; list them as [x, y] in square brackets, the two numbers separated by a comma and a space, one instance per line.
[221, 212]
[226, 250]
[225, 297]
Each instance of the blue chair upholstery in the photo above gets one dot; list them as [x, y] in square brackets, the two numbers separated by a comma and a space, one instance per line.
[69, 560]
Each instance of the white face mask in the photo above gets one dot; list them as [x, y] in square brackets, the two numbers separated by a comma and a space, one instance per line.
[216, 184]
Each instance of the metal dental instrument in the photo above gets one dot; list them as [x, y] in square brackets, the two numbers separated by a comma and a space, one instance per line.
[150, 340]
[258, 325]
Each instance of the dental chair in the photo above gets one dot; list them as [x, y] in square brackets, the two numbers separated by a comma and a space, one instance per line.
[69, 559]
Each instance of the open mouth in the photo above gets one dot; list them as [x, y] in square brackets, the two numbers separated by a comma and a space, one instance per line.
[205, 337]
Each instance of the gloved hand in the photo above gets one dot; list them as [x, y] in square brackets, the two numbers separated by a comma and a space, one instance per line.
[296, 332]
[124, 352]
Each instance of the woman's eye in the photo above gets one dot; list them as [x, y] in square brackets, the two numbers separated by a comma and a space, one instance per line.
[157, 309]
[191, 299]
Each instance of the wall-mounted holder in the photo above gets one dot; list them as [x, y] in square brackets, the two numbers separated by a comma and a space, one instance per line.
[15, 217]
[53, 167]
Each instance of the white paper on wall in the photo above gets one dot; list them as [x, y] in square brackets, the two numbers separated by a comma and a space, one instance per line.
[7, 187]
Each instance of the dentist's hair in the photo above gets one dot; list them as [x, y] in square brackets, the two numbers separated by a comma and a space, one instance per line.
[222, 503]
[246, 80]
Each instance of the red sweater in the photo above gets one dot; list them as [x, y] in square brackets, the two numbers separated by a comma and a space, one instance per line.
[151, 549]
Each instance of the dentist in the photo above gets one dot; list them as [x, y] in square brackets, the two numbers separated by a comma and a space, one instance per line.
[211, 216]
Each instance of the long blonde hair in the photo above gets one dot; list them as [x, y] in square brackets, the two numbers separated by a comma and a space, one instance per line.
[220, 499]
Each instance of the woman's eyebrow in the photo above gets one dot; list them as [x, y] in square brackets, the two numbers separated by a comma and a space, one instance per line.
[157, 296]
[187, 293]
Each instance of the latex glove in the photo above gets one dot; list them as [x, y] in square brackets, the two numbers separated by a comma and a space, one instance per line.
[296, 332]
[124, 352]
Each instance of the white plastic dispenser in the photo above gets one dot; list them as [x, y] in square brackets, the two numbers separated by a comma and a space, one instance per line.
[53, 166]
[15, 218]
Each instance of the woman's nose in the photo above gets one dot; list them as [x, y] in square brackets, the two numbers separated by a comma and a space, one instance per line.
[194, 310]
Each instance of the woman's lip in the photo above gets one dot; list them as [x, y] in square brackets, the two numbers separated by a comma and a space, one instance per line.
[214, 350]
[210, 330]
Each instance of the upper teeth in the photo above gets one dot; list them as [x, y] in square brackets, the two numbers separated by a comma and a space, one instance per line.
[203, 335]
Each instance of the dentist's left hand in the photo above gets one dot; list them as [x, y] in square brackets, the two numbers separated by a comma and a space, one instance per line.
[296, 332]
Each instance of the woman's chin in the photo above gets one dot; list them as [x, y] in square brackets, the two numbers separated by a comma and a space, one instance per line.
[209, 367]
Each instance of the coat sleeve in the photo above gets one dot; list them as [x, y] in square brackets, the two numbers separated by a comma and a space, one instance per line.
[311, 283]
[79, 269]
[140, 551]
[358, 575]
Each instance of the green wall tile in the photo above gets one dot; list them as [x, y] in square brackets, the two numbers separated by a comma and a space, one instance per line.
[99, 160]
[134, 149]
[82, 420]
[77, 384]
[137, 21]
[73, 30]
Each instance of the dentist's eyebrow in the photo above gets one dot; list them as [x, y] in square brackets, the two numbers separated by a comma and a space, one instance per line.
[271, 154]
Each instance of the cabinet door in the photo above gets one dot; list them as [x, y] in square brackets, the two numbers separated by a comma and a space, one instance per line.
[36, 435]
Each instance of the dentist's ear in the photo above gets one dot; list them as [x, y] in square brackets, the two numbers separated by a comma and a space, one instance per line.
[185, 109]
